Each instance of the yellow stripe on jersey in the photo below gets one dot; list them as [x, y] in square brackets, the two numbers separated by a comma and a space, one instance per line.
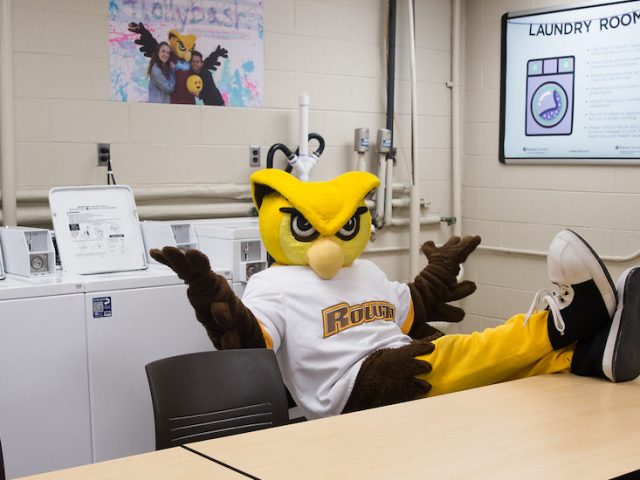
[408, 322]
[267, 338]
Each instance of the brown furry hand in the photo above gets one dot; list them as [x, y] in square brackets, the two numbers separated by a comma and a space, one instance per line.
[228, 322]
[452, 254]
[388, 376]
[437, 284]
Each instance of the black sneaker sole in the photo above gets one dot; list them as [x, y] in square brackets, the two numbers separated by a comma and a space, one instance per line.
[621, 359]
[606, 286]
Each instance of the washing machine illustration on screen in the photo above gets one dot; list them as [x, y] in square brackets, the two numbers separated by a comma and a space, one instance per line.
[549, 109]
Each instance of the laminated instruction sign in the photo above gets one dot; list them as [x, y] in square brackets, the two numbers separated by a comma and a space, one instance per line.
[97, 229]
[570, 85]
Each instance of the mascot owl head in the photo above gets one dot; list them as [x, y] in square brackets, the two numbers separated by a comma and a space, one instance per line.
[323, 225]
[182, 45]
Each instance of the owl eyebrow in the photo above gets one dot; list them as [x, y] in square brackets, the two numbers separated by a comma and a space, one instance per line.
[359, 211]
[289, 210]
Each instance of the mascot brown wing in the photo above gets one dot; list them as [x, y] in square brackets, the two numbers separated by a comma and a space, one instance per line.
[148, 44]
[213, 60]
[227, 321]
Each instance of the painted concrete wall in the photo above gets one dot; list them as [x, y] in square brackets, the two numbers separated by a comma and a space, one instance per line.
[523, 207]
[331, 49]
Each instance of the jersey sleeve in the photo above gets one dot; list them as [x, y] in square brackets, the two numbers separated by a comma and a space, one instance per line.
[401, 297]
[268, 305]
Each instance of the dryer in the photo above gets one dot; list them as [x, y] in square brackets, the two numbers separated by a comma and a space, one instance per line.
[44, 398]
[132, 318]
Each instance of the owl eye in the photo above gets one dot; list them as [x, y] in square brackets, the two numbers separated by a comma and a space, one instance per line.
[352, 227]
[301, 229]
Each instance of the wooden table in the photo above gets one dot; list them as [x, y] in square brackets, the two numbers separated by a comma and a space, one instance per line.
[171, 464]
[545, 427]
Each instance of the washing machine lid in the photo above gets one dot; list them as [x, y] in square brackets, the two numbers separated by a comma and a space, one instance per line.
[97, 229]
[232, 229]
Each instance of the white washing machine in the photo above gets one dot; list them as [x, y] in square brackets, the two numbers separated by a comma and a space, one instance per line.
[133, 313]
[2, 274]
[44, 383]
[233, 244]
[132, 318]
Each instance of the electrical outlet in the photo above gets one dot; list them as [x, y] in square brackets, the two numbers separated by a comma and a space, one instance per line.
[254, 156]
[104, 154]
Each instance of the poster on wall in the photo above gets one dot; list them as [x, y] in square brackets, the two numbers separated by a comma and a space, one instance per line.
[570, 85]
[194, 52]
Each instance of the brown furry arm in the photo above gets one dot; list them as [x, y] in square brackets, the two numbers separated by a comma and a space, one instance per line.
[420, 329]
[437, 284]
[227, 321]
[388, 376]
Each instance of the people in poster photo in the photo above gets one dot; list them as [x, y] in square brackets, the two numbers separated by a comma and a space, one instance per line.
[162, 75]
[209, 94]
[228, 34]
[180, 56]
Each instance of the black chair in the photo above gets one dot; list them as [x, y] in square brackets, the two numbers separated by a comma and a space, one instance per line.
[199, 396]
[2, 477]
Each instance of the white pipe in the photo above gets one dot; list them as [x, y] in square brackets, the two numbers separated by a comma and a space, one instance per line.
[303, 162]
[506, 251]
[396, 202]
[219, 191]
[41, 215]
[177, 212]
[456, 158]
[7, 139]
[425, 220]
[303, 148]
[401, 187]
[160, 192]
[538, 253]
[406, 202]
[385, 249]
[362, 163]
[414, 209]
[380, 191]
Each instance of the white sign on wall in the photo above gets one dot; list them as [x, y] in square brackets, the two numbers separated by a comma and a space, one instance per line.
[570, 90]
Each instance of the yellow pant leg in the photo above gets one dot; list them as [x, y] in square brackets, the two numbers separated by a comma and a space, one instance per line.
[556, 361]
[509, 351]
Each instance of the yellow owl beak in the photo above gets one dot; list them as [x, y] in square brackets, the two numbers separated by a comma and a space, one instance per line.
[325, 257]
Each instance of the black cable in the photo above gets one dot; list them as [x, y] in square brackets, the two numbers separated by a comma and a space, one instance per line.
[110, 176]
[391, 72]
[275, 148]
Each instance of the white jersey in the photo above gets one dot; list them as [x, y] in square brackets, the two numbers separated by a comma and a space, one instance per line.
[322, 330]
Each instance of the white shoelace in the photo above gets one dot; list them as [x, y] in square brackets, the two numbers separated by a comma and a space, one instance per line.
[552, 299]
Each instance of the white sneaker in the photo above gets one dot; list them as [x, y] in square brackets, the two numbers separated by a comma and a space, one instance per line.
[585, 299]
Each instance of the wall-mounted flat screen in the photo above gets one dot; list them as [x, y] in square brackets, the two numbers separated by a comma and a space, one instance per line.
[570, 84]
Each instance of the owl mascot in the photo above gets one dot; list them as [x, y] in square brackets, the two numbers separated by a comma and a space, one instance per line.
[346, 338]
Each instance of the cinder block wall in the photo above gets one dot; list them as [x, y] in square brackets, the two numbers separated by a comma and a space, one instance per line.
[523, 207]
[331, 49]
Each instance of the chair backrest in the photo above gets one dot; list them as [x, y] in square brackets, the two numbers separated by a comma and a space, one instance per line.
[213, 394]
[2, 477]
